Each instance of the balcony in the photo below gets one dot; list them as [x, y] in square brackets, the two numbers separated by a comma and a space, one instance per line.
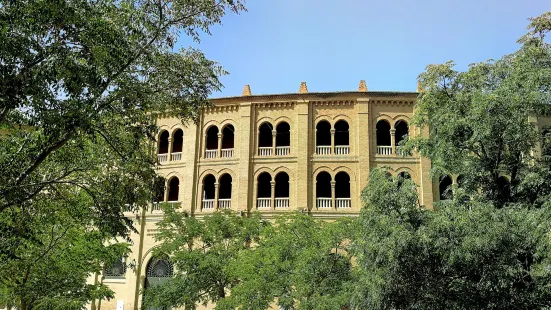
[342, 149]
[208, 204]
[281, 203]
[283, 150]
[323, 203]
[342, 203]
[176, 156]
[384, 150]
[224, 203]
[323, 150]
[227, 153]
[209, 154]
[263, 203]
[162, 158]
[265, 151]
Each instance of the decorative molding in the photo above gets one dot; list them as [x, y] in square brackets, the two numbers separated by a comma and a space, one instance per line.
[334, 102]
[222, 108]
[272, 105]
[394, 102]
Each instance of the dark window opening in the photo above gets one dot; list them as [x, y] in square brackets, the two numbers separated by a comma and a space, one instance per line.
[383, 133]
[225, 187]
[504, 187]
[460, 181]
[208, 187]
[323, 185]
[342, 185]
[114, 270]
[445, 188]
[212, 138]
[404, 175]
[159, 189]
[177, 141]
[160, 268]
[264, 185]
[282, 185]
[402, 131]
[228, 137]
[173, 189]
[283, 136]
[546, 143]
[163, 142]
[342, 136]
[265, 135]
[323, 133]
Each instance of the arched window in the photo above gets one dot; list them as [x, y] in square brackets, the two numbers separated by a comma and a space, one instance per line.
[159, 189]
[177, 141]
[402, 131]
[383, 133]
[342, 185]
[173, 189]
[404, 175]
[208, 187]
[323, 133]
[159, 268]
[445, 187]
[163, 142]
[264, 185]
[116, 269]
[323, 190]
[228, 137]
[282, 185]
[460, 181]
[212, 138]
[504, 186]
[225, 187]
[341, 133]
[283, 136]
[265, 135]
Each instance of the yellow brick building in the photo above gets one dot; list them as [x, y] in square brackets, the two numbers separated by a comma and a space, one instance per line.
[310, 152]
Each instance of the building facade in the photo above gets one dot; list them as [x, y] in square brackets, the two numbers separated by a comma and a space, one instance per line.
[308, 152]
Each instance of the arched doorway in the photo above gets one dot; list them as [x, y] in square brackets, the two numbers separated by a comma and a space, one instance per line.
[264, 191]
[158, 271]
[342, 190]
[323, 138]
[342, 138]
[323, 190]
[224, 191]
[384, 146]
[281, 190]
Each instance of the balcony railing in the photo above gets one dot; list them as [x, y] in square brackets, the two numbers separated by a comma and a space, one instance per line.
[323, 149]
[342, 203]
[208, 204]
[263, 203]
[176, 156]
[227, 153]
[342, 149]
[224, 203]
[265, 151]
[384, 150]
[281, 203]
[156, 207]
[323, 203]
[162, 158]
[283, 150]
[210, 154]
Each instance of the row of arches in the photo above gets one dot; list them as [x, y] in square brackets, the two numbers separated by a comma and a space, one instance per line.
[331, 192]
[332, 140]
[170, 144]
[387, 133]
[446, 188]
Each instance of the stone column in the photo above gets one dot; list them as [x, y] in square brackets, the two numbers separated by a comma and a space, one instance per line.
[169, 155]
[165, 196]
[393, 140]
[333, 141]
[216, 193]
[272, 194]
[202, 195]
[274, 135]
[334, 205]
[219, 152]
[204, 150]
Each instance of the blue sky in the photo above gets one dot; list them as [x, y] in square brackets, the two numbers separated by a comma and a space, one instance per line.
[332, 45]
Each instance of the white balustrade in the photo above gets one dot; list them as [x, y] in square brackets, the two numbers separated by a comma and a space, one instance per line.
[227, 152]
[283, 150]
[175, 204]
[265, 151]
[208, 204]
[400, 151]
[384, 150]
[162, 158]
[323, 149]
[210, 154]
[176, 156]
[342, 149]
[224, 203]
[281, 203]
[323, 203]
[263, 203]
[156, 207]
[342, 203]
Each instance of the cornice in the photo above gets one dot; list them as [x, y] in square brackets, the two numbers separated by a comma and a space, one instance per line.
[276, 104]
[222, 108]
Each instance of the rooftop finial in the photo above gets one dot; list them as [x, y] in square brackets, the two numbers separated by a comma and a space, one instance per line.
[362, 86]
[303, 88]
[246, 91]
[419, 89]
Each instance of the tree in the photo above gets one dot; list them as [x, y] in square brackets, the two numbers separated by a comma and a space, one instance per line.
[299, 263]
[468, 255]
[81, 84]
[488, 247]
[200, 251]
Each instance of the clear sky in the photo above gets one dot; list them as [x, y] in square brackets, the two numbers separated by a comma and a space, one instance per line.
[333, 44]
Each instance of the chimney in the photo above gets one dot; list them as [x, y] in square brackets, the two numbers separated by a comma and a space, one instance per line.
[246, 91]
[419, 89]
[303, 88]
[362, 87]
